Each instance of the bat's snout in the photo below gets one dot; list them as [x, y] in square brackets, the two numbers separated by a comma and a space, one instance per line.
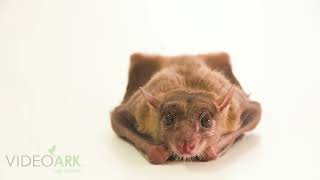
[186, 148]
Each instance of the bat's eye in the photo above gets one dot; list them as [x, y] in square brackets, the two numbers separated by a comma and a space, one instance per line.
[169, 119]
[205, 120]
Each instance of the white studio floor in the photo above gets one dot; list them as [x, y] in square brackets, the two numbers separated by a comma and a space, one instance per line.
[64, 65]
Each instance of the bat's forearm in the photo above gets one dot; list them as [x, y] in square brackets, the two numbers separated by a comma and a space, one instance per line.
[154, 153]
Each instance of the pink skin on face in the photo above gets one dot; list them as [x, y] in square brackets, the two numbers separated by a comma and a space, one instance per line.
[188, 149]
[187, 144]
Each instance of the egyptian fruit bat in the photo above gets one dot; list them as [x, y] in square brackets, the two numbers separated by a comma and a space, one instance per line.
[187, 107]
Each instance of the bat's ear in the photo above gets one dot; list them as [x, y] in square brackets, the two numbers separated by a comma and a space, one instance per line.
[225, 101]
[152, 100]
[250, 115]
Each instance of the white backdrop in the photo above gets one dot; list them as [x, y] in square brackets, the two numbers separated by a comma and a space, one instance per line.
[64, 63]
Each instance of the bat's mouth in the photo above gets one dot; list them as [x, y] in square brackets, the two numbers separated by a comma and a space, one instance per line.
[190, 151]
[187, 151]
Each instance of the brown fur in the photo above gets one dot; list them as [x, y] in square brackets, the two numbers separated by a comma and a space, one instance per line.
[180, 72]
[159, 75]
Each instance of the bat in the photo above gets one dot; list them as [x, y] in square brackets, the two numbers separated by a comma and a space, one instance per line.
[187, 107]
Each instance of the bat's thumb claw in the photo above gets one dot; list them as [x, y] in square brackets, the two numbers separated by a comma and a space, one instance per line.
[157, 154]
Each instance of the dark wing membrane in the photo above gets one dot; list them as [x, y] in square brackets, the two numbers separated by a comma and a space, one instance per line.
[221, 62]
[142, 67]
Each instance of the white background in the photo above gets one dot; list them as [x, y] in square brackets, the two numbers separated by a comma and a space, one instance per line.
[64, 63]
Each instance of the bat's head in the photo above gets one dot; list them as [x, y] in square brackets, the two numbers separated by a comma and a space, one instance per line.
[189, 120]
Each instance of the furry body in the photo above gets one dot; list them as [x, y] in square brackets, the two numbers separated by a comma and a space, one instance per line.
[199, 77]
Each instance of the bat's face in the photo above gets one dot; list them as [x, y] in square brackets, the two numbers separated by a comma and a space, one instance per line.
[189, 122]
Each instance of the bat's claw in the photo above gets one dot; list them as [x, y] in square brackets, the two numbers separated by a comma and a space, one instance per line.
[215, 151]
[210, 154]
[157, 154]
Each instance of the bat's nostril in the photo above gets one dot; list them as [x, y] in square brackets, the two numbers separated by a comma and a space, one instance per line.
[188, 147]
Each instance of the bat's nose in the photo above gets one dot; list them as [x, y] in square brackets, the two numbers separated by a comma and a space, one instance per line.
[186, 148]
